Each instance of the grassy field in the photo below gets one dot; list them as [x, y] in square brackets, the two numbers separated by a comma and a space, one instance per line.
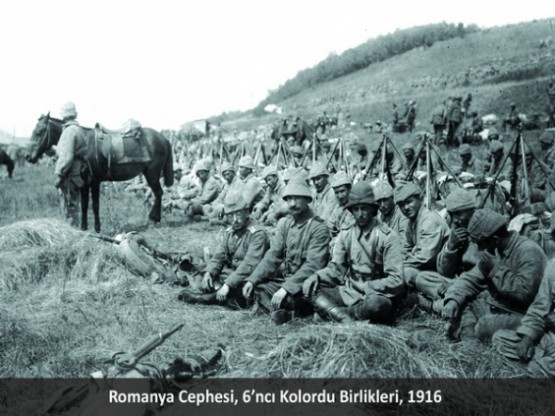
[68, 302]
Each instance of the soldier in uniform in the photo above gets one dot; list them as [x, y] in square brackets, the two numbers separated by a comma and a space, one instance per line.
[458, 254]
[299, 248]
[271, 207]
[324, 200]
[232, 184]
[496, 293]
[341, 217]
[251, 188]
[237, 254]
[364, 280]
[426, 232]
[389, 213]
[71, 151]
[197, 198]
[533, 341]
[470, 164]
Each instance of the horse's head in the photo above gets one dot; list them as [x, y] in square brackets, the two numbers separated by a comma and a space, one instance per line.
[45, 135]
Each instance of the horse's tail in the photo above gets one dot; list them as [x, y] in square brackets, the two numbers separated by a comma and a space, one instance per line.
[168, 166]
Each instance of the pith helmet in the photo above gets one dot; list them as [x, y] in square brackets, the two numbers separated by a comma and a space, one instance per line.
[297, 187]
[405, 190]
[382, 190]
[267, 171]
[341, 178]
[234, 202]
[361, 194]
[246, 162]
[226, 166]
[68, 110]
[318, 169]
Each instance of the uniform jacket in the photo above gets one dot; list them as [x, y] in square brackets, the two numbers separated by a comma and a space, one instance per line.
[371, 256]
[397, 222]
[324, 203]
[533, 323]
[238, 254]
[209, 191]
[340, 219]
[425, 237]
[70, 150]
[513, 282]
[299, 249]
[451, 263]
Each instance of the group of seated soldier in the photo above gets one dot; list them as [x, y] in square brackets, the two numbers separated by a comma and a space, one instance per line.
[362, 250]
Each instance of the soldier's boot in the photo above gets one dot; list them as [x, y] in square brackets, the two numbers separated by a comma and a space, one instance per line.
[197, 298]
[282, 316]
[329, 309]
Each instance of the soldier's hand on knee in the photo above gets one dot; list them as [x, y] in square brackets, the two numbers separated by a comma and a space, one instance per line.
[525, 348]
[247, 290]
[311, 285]
[207, 282]
[222, 293]
[278, 298]
[450, 310]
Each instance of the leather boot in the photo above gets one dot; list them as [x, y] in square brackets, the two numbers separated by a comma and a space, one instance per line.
[197, 298]
[328, 309]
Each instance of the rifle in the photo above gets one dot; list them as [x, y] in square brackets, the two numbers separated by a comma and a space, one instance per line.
[124, 363]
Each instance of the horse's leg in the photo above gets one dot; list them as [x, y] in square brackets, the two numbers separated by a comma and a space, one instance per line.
[84, 207]
[153, 181]
[95, 193]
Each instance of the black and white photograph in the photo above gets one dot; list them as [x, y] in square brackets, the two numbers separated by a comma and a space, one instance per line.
[277, 207]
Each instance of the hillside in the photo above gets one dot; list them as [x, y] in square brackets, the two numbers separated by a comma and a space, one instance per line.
[497, 66]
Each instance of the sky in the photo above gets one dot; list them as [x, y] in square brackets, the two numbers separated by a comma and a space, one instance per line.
[166, 62]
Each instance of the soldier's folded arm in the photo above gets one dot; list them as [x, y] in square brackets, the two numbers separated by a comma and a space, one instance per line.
[466, 287]
[217, 261]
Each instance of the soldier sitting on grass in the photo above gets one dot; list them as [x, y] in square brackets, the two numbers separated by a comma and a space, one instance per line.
[364, 280]
[299, 248]
[238, 253]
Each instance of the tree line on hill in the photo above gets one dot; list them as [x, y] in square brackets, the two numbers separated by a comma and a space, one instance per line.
[372, 51]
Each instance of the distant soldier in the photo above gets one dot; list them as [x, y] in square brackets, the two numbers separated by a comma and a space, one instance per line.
[469, 163]
[324, 200]
[454, 119]
[438, 122]
[395, 119]
[271, 207]
[195, 199]
[411, 115]
[251, 188]
[513, 119]
[299, 248]
[232, 184]
[238, 253]
[547, 157]
[71, 151]
[364, 280]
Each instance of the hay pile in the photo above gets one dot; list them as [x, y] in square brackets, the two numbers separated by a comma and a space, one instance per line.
[35, 249]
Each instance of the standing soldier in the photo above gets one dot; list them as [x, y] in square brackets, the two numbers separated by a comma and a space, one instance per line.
[237, 255]
[438, 122]
[454, 119]
[395, 120]
[364, 280]
[299, 248]
[70, 150]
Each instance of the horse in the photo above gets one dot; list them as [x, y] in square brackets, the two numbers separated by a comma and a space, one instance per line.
[5, 159]
[46, 134]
